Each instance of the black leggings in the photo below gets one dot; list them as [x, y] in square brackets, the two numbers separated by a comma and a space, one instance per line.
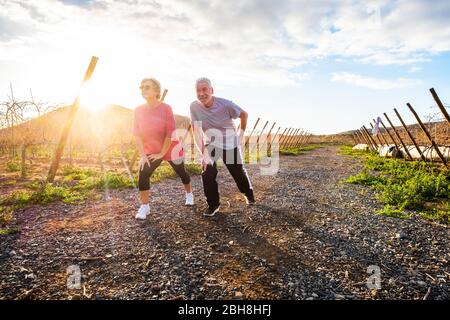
[146, 173]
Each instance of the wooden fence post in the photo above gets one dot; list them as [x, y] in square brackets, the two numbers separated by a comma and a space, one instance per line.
[289, 143]
[369, 141]
[381, 135]
[23, 173]
[371, 138]
[398, 136]
[409, 134]
[68, 125]
[392, 138]
[427, 134]
[440, 104]
[376, 136]
[283, 144]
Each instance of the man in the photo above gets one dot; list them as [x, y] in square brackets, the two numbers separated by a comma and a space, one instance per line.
[216, 137]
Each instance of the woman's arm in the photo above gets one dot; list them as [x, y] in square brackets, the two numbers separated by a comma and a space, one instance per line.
[164, 149]
[144, 159]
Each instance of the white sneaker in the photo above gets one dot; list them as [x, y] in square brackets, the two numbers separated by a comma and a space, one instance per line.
[189, 199]
[143, 211]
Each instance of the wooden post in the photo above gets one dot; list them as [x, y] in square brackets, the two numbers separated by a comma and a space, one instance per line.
[68, 125]
[410, 135]
[392, 138]
[354, 138]
[294, 140]
[360, 136]
[251, 133]
[398, 136]
[369, 141]
[379, 131]
[366, 139]
[257, 140]
[376, 136]
[23, 173]
[289, 142]
[440, 104]
[370, 137]
[427, 134]
[259, 136]
[283, 144]
[299, 139]
[271, 140]
[289, 137]
[163, 95]
[268, 138]
[281, 137]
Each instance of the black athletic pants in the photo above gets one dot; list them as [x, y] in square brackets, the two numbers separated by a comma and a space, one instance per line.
[233, 161]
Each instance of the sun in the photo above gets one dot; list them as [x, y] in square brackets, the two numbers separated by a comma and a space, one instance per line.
[93, 97]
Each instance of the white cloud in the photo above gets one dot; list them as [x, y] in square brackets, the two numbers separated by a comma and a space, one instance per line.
[414, 69]
[373, 83]
[253, 42]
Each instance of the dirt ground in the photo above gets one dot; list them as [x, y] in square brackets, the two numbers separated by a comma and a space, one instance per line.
[308, 237]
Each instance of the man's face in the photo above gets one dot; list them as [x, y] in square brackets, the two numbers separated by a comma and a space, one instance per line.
[204, 93]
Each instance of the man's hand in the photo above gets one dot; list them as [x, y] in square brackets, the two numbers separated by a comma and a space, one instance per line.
[206, 159]
[144, 160]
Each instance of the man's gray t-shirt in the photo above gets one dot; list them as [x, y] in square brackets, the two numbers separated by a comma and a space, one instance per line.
[217, 118]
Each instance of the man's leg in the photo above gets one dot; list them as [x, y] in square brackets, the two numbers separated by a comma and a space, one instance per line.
[210, 186]
[233, 160]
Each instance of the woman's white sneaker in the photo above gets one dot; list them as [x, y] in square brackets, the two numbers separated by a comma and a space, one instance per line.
[189, 199]
[143, 211]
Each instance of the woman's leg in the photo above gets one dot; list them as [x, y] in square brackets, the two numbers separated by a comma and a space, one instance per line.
[144, 180]
[181, 172]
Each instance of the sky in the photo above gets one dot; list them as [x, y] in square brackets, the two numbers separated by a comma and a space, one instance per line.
[325, 66]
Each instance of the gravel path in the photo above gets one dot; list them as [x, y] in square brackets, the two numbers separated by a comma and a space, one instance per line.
[309, 237]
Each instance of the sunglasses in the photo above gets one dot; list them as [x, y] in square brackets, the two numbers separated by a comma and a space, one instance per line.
[145, 87]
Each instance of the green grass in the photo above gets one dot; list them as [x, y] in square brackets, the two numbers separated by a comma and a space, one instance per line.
[12, 166]
[402, 185]
[4, 232]
[76, 185]
[294, 151]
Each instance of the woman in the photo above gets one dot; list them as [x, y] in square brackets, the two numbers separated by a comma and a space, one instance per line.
[154, 129]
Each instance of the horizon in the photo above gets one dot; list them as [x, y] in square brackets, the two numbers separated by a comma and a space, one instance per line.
[327, 67]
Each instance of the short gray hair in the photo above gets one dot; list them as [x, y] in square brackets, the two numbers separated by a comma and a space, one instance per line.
[203, 79]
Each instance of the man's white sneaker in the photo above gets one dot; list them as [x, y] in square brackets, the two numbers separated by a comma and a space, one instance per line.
[189, 199]
[143, 211]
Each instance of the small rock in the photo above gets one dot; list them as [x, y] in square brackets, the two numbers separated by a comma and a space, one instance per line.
[315, 295]
[339, 296]
[421, 283]
[238, 294]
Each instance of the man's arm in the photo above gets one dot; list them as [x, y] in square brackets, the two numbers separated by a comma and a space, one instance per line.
[198, 137]
[244, 117]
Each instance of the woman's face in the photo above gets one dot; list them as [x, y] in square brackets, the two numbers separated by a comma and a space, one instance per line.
[148, 91]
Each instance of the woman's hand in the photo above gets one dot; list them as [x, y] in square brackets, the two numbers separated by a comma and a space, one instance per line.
[142, 162]
[155, 156]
